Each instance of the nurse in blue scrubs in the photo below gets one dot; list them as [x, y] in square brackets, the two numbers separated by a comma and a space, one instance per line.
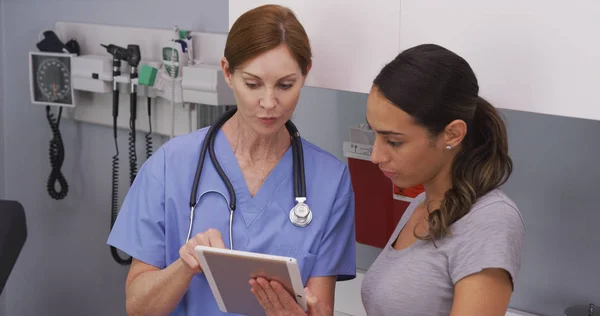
[266, 60]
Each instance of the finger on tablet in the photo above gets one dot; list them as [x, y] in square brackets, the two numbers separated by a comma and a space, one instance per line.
[215, 238]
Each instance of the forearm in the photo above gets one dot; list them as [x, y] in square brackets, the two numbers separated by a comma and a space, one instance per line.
[158, 292]
[323, 288]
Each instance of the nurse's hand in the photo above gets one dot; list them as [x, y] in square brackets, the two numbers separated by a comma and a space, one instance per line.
[276, 301]
[210, 238]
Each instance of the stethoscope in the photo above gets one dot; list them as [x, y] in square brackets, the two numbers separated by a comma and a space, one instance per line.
[300, 214]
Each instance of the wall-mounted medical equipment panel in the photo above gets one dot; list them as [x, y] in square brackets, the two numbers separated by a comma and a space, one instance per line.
[533, 56]
[191, 79]
[169, 81]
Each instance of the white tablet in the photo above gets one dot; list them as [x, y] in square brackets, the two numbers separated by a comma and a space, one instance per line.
[228, 272]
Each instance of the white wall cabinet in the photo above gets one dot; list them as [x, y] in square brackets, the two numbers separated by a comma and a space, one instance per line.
[534, 56]
[351, 40]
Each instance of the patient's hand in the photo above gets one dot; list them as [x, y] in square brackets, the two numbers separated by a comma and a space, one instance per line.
[276, 301]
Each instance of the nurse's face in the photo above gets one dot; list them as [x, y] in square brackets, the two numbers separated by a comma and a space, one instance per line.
[266, 89]
[404, 151]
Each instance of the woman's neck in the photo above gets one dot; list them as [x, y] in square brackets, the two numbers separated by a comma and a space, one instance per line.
[435, 189]
[252, 147]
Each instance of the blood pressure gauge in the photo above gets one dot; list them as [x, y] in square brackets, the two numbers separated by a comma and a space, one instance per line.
[50, 79]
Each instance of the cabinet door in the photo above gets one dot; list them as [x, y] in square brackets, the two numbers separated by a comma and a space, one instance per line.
[536, 56]
[351, 40]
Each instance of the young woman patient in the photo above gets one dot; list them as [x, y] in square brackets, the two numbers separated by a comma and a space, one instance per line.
[457, 248]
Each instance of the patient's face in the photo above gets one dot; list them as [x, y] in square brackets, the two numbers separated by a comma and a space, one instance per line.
[403, 150]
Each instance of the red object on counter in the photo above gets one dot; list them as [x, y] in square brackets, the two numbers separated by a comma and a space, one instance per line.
[376, 211]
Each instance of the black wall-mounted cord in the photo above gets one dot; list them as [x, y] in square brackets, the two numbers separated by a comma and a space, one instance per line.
[149, 134]
[132, 153]
[115, 180]
[57, 157]
[115, 196]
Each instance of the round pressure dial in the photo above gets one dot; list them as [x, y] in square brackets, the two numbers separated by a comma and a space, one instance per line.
[50, 79]
[53, 80]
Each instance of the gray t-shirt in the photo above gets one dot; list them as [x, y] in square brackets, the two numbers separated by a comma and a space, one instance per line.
[419, 280]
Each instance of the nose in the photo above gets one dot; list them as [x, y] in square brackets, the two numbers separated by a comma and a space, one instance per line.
[268, 101]
[378, 154]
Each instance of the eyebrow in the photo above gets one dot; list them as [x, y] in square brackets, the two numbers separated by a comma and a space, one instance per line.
[384, 132]
[257, 77]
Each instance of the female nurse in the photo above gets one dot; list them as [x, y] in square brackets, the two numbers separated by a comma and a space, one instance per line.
[457, 248]
[266, 60]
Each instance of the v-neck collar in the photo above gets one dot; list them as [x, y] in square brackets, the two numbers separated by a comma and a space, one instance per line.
[247, 205]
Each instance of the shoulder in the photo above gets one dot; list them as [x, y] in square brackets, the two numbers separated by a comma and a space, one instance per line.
[322, 158]
[185, 143]
[495, 209]
[493, 218]
[491, 235]
[326, 168]
[174, 152]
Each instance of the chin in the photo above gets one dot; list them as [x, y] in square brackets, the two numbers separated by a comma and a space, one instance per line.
[267, 129]
[403, 183]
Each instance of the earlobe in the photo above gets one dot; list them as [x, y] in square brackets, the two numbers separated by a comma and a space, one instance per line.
[226, 71]
[455, 132]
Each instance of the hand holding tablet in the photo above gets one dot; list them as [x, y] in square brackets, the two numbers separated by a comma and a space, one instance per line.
[231, 273]
[274, 299]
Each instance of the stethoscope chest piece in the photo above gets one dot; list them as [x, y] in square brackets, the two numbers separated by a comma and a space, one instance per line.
[300, 214]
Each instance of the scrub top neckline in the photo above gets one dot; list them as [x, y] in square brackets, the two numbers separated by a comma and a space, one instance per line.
[247, 205]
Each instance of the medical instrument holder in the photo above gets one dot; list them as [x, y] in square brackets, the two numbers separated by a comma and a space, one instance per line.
[50, 74]
[119, 54]
[133, 59]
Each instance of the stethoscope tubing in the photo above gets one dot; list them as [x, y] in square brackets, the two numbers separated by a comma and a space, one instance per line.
[209, 145]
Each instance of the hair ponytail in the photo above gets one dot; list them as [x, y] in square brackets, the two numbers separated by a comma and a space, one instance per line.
[482, 165]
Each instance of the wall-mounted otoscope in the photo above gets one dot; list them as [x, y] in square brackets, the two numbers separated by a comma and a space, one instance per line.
[119, 54]
[133, 59]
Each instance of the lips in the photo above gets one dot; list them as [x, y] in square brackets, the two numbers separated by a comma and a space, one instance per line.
[267, 120]
[388, 174]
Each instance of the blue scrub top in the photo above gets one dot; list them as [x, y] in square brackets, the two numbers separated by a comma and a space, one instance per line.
[154, 219]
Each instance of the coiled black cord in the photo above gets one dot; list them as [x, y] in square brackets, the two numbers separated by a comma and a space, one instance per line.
[115, 197]
[132, 153]
[57, 157]
[115, 179]
[149, 134]
[115, 186]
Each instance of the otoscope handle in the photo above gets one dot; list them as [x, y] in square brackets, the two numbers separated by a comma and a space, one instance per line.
[115, 103]
[133, 105]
